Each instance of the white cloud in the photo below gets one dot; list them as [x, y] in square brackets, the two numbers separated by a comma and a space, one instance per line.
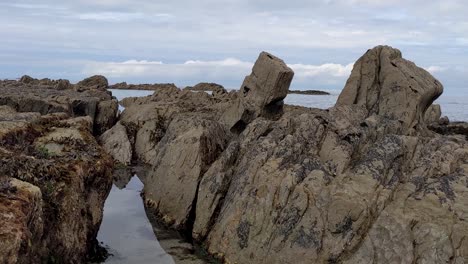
[435, 69]
[229, 68]
[328, 69]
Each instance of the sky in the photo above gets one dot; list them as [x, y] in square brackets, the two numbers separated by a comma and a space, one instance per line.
[186, 42]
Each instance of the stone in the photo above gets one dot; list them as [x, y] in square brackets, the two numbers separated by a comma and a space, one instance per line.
[115, 141]
[433, 114]
[185, 152]
[97, 82]
[58, 96]
[261, 93]
[21, 222]
[390, 86]
[54, 179]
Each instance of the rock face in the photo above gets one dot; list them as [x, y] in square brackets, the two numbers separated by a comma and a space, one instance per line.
[392, 87]
[115, 141]
[362, 182]
[433, 114]
[97, 82]
[261, 93]
[87, 98]
[54, 179]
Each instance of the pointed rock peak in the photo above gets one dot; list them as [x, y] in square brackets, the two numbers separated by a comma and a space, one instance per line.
[388, 85]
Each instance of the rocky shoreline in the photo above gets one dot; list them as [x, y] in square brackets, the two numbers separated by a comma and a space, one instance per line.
[54, 177]
[378, 178]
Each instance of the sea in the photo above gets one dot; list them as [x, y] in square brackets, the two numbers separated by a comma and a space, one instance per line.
[126, 230]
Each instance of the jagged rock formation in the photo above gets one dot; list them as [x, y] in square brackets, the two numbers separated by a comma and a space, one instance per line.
[362, 182]
[389, 86]
[87, 98]
[261, 94]
[54, 177]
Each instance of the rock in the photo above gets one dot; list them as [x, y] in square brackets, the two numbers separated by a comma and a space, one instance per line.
[26, 79]
[115, 142]
[390, 86]
[261, 94]
[444, 120]
[97, 82]
[57, 179]
[21, 221]
[203, 86]
[105, 116]
[49, 96]
[361, 182]
[433, 114]
[147, 139]
[185, 152]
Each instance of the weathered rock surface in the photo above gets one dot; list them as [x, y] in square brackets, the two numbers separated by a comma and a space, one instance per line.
[185, 152]
[87, 98]
[54, 178]
[115, 141]
[390, 86]
[213, 87]
[261, 93]
[433, 114]
[362, 182]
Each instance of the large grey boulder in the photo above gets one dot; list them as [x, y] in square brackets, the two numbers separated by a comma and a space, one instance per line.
[115, 141]
[185, 152]
[390, 86]
[261, 93]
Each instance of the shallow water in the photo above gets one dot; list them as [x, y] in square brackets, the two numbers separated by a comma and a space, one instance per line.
[126, 231]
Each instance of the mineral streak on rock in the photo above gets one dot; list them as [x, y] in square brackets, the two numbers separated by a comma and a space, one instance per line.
[258, 182]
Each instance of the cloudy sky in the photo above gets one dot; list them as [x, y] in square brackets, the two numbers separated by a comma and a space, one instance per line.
[185, 42]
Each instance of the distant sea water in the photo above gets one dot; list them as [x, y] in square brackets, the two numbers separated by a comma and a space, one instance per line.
[454, 105]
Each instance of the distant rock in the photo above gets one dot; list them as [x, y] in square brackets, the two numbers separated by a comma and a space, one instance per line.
[97, 82]
[87, 98]
[308, 92]
[433, 114]
[149, 87]
[205, 87]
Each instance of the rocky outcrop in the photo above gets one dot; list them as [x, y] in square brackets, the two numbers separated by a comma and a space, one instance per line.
[433, 114]
[203, 86]
[115, 141]
[97, 82]
[87, 98]
[389, 86]
[261, 93]
[21, 220]
[362, 182]
[54, 179]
